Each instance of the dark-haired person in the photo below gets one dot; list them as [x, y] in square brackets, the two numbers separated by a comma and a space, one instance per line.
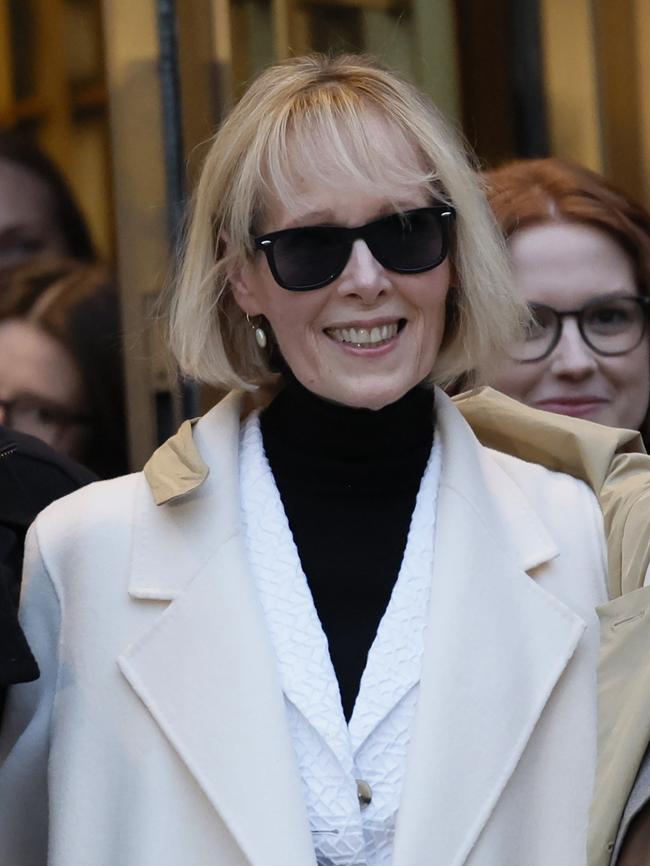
[38, 212]
[327, 625]
[61, 375]
[31, 477]
[580, 251]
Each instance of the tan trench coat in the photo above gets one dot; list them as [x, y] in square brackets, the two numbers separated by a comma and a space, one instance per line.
[614, 464]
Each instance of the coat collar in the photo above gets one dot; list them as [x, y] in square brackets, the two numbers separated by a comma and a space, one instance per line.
[570, 445]
[195, 466]
[178, 466]
[191, 475]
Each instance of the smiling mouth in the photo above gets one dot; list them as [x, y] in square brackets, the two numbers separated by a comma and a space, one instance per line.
[579, 407]
[363, 338]
[587, 400]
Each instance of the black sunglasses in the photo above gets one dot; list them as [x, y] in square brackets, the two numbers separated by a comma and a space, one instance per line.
[302, 259]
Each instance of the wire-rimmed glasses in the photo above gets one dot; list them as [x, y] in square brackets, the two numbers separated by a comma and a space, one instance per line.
[612, 325]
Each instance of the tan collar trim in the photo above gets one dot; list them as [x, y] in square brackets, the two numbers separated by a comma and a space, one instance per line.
[576, 447]
[176, 468]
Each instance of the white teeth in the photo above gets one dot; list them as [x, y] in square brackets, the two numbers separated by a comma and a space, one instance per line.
[364, 336]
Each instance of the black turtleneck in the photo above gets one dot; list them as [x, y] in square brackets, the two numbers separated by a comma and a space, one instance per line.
[348, 479]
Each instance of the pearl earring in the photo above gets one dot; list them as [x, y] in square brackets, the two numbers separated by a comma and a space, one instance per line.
[260, 337]
[260, 333]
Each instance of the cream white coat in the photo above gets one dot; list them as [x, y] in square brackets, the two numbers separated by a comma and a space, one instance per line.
[157, 734]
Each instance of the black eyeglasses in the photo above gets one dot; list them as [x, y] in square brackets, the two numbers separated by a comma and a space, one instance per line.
[302, 259]
[613, 325]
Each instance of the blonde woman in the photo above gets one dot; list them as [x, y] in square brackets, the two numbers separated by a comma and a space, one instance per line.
[325, 625]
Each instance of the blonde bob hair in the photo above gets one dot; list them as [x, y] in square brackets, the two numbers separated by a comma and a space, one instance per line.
[318, 115]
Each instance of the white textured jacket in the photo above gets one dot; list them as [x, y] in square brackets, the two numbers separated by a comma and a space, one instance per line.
[158, 734]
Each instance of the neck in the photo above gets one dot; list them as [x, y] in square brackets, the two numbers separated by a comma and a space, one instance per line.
[311, 425]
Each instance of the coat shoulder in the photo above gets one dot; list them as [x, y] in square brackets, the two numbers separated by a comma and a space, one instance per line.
[567, 507]
[95, 510]
[547, 487]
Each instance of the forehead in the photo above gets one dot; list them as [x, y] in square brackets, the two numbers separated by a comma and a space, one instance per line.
[560, 262]
[322, 163]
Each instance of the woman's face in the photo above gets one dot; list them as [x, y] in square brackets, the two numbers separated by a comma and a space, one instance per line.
[564, 266]
[315, 330]
[41, 388]
[27, 224]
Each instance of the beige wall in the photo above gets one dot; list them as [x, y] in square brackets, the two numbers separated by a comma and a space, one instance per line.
[597, 76]
[571, 81]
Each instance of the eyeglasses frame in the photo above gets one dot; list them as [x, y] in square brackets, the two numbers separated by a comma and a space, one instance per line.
[578, 314]
[265, 243]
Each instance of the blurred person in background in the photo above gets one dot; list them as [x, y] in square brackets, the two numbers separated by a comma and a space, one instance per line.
[61, 376]
[580, 251]
[38, 213]
[31, 476]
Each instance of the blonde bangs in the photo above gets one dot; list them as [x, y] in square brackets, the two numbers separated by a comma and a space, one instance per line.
[334, 136]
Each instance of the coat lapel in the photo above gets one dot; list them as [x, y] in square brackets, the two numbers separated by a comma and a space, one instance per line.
[205, 670]
[477, 709]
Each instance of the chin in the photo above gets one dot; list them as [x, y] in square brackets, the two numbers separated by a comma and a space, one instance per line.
[357, 397]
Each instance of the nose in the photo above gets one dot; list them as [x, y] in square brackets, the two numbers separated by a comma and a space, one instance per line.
[572, 358]
[363, 276]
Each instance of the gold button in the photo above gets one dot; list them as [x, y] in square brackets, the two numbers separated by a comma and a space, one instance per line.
[364, 793]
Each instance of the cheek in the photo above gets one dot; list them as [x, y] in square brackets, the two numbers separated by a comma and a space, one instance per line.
[74, 442]
[429, 297]
[515, 379]
[632, 373]
[430, 291]
[629, 380]
[294, 320]
[65, 382]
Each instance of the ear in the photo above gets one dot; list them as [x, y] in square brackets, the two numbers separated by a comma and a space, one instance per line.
[244, 280]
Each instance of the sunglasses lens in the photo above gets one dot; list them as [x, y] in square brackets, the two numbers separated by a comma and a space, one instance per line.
[309, 257]
[413, 241]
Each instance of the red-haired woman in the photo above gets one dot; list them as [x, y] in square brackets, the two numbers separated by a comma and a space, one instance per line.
[580, 251]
